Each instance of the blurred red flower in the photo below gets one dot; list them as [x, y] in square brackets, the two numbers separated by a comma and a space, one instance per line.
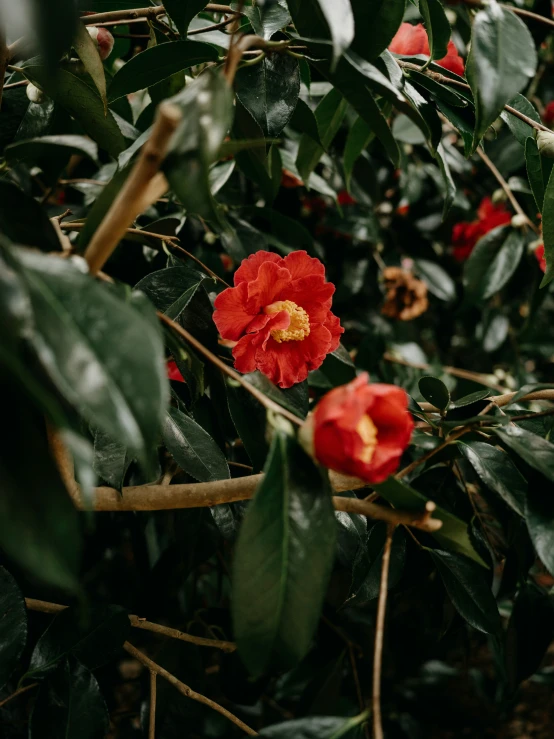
[361, 429]
[173, 372]
[548, 115]
[279, 314]
[411, 40]
[345, 198]
[539, 253]
[467, 233]
[290, 180]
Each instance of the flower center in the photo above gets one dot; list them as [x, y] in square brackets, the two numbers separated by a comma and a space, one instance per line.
[368, 433]
[299, 326]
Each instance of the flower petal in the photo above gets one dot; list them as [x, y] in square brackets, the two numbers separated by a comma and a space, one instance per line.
[299, 264]
[231, 316]
[271, 281]
[249, 268]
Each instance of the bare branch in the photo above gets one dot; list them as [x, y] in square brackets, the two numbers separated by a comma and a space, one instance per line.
[379, 636]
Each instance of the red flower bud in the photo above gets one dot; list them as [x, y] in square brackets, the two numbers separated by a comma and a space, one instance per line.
[548, 114]
[467, 233]
[103, 39]
[412, 40]
[539, 253]
[360, 429]
[173, 372]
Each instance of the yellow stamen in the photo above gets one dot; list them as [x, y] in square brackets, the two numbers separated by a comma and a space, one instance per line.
[368, 433]
[299, 326]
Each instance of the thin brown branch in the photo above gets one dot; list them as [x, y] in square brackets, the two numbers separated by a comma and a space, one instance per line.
[214, 27]
[185, 690]
[425, 457]
[142, 14]
[140, 623]
[260, 397]
[152, 712]
[18, 692]
[504, 185]
[505, 399]
[21, 83]
[379, 636]
[144, 185]
[356, 677]
[518, 11]
[477, 377]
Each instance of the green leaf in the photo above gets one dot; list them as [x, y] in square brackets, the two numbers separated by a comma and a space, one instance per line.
[171, 289]
[329, 115]
[437, 27]
[23, 221]
[207, 105]
[536, 451]
[295, 398]
[340, 20]
[157, 63]
[39, 532]
[521, 130]
[93, 636]
[87, 338]
[102, 204]
[69, 705]
[182, 12]
[359, 137]
[533, 163]
[110, 460]
[194, 450]
[90, 56]
[367, 567]
[377, 22]
[494, 72]
[437, 280]
[453, 534]
[304, 120]
[269, 91]
[449, 184]
[539, 515]
[289, 532]
[249, 417]
[13, 625]
[435, 392]
[29, 150]
[269, 18]
[55, 24]
[492, 263]
[548, 229]
[83, 103]
[314, 727]
[469, 591]
[497, 471]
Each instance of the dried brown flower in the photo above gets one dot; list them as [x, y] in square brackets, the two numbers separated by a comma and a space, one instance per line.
[406, 296]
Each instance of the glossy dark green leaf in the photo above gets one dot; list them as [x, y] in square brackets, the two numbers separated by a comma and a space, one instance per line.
[30, 150]
[359, 137]
[366, 576]
[534, 171]
[340, 20]
[314, 727]
[102, 204]
[83, 103]
[39, 532]
[448, 180]
[469, 400]
[182, 12]
[171, 289]
[435, 392]
[492, 263]
[15, 104]
[24, 221]
[437, 27]
[439, 92]
[55, 24]
[462, 121]
[93, 636]
[536, 451]
[329, 115]
[207, 106]
[453, 534]
[377, 22]
[158, 63]
[548, 229]
[13, 625]
[88, 53]
[497, 471]
[249, 417]
[439, 282]
[268, 18]
[295, 398]
[69, 705]
[468, 588]
[304, 120]
[493, 71]
[193, 449]
[110, 460]
[269, 91]
[539, 515]
[521, 130]
[86, 338]
[530, 631]
[289, 532]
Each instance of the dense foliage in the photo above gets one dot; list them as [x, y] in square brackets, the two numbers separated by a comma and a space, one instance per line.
[277, 327]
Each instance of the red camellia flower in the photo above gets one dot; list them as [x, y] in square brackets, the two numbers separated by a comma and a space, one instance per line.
[345, 198]
[173, 372]
[279, 313]
[467, 233]
[412, 40]
[361, 429]
[548, 115]
[539, 253]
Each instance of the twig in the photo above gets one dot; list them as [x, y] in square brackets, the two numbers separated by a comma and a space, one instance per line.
[506, 399]
[152, 712]
[517, 11]
[379, 634]
[185, 690]
[139, 623]
[527, 416]
[214, 27]
[21, 83]
[477, 377]
[444, 80]
[425, 457]
[260, 397]
[361, 702]
[18, 692]
[504, 185]
[144, 185]
[139, 14]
